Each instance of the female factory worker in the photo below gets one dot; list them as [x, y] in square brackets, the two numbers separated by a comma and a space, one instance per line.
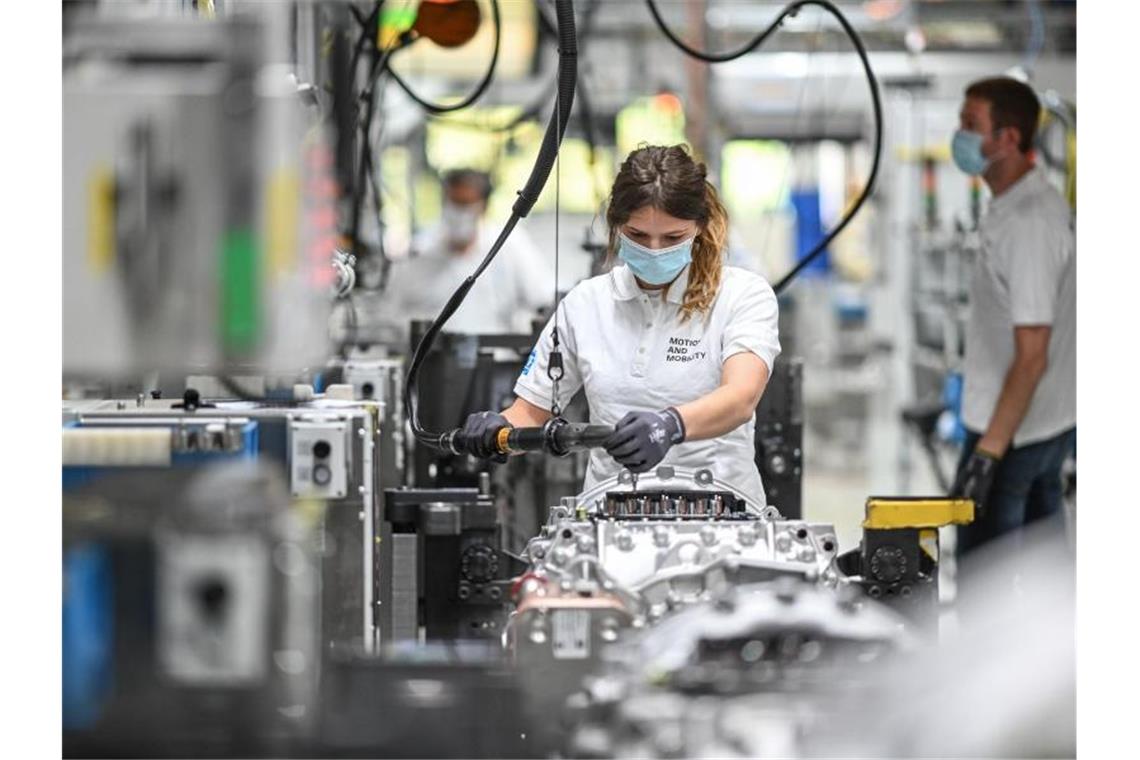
[674, 347]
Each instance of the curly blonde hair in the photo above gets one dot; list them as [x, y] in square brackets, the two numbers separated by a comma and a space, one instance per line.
[669, 179]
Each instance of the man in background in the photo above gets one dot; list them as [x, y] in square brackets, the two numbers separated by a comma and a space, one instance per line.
[1019, 406]
[506, 296]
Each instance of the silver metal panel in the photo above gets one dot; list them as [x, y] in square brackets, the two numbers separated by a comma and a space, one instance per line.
[183, 172]
[213, 608]
[404, 587]
[571, 629]
[318, 458]
[102, 323]
[367, 433]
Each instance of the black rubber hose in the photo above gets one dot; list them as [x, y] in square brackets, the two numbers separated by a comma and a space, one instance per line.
[557, 437]
[359, 188]
[876, 104]
[365, 168]
[411, 381]
[380, 65]
[367, 24]
[537, 106]
[575, 436]
[789, 10]
[567, 80]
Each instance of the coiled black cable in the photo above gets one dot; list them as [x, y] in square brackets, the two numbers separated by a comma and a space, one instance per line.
[479, 89]
[532, 111]
[528, 196]
[379, 67]
[790, 10]
[379, 61]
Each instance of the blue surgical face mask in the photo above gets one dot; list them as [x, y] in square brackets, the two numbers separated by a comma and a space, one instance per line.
[655, 266]
[966, 149]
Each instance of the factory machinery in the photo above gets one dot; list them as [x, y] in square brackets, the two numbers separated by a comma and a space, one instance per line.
[252, 579]
[246, 569]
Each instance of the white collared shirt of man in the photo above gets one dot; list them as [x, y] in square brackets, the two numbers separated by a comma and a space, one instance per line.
[1025, 275]
[629, 351]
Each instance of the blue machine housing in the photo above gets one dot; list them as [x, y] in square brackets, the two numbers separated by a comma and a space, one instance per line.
[88, 594]
[73, 477]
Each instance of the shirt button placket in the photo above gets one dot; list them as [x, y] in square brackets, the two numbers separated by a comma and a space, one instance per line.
[641, 358]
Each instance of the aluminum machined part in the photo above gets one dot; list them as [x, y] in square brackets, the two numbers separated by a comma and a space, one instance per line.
[752, 611]
[668, 478]
[594, 577]
[760, 672]
[664, 563]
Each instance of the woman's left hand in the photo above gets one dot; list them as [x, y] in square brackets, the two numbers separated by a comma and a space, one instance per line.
[642, 439]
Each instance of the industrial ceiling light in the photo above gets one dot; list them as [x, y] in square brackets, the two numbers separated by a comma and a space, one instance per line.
[448, 23]
[883, 10]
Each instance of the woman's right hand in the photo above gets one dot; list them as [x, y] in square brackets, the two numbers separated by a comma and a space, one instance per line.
[480, 431]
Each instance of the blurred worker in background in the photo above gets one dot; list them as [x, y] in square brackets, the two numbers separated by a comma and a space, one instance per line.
[1019, 407]
[674, 348]
[504, 299]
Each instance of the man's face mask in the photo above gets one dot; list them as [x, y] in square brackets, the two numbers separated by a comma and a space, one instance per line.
[966, 150]
[460, 223]
[655, 266]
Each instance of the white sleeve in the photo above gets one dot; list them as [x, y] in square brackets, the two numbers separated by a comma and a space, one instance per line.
[534, 383]
[752, 324]
[1036, 261]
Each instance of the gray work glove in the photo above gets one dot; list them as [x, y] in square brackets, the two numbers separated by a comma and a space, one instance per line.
[480, 431]
[642, 439]
[976, 478]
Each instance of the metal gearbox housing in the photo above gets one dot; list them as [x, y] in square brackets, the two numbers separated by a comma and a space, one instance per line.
[619, 559]
[660, 549]
[764, 670]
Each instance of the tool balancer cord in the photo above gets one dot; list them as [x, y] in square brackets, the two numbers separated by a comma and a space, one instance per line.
[528, 196]
[791, 10]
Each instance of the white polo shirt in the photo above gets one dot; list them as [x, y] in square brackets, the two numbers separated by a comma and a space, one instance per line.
[1025, 275]
[631, 353]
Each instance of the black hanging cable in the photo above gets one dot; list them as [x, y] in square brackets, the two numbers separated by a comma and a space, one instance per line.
[359, 15]
[547, 154]
[351, 323]
[478, 91]
[379, 63]
[535, 108]
[790, 10]
[378, 69]
[366, 24]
